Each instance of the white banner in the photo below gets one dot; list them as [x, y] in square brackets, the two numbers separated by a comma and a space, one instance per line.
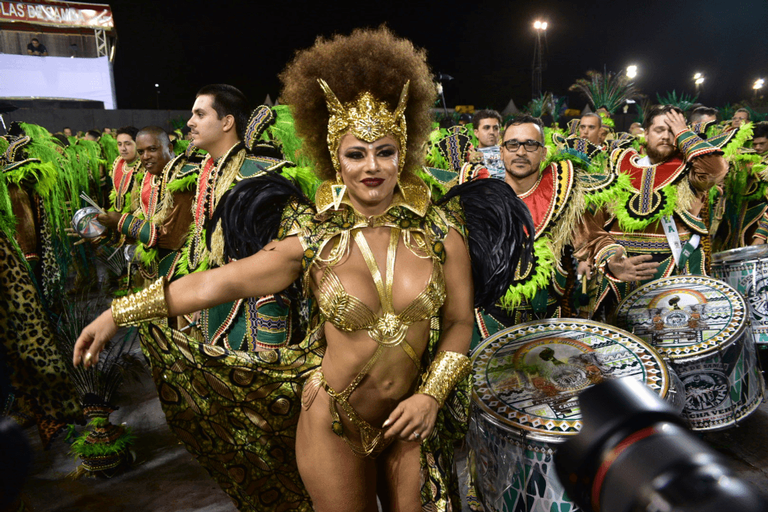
[64, 15]
[25, 76]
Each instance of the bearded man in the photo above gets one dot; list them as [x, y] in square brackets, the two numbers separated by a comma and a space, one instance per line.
[660, 214]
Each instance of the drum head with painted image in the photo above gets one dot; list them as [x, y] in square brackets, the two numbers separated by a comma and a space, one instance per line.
[685, 317]
[527, 377]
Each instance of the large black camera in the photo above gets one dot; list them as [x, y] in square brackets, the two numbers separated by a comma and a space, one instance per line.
[634, 454]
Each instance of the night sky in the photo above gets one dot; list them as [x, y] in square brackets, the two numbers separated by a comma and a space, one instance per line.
[486, 46]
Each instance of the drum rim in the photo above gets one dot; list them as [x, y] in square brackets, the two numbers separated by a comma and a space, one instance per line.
[727, 255]
[712, 347]
[738, 262]
[82, 212]
[520, 435]
[546, 436]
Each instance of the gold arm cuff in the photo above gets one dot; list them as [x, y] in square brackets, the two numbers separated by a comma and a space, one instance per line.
[148, 304]
[446, 370]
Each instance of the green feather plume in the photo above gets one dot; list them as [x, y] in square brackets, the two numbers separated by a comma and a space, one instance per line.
[737, 142]
[545, 266]
[631, 224]
[184, 184]
[109, 147]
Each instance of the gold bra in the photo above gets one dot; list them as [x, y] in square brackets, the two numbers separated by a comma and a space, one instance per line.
[349, 314]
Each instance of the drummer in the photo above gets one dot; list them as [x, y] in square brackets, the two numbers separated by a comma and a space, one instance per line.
[159, 223]
[661, 217]
[760, 146]
[556, 196]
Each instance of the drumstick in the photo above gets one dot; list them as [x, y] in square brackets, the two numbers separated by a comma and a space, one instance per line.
[584, 285]
[113, 254]
[90, 201]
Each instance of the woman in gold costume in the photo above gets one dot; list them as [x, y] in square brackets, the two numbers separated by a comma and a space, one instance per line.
[388, 271]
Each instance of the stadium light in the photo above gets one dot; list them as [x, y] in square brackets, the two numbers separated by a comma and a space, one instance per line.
[631, 71]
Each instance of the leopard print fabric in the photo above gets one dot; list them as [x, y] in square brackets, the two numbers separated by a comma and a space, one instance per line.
[28, 352]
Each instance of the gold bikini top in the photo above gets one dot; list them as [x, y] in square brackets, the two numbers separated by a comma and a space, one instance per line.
[350, 314]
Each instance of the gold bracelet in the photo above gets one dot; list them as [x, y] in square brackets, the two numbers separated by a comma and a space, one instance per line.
[446, 370]
[148, 304]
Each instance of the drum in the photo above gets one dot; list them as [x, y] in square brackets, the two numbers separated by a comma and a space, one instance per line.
[746, 269]
[701, 325]
[85, 224]
[526, 381]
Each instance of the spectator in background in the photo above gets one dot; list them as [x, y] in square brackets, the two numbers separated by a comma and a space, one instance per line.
[760, 138]
[93, 135]
[740, 117]
[487, 124]
[704, 114]
[37, 48]
[636, 129]
[589, 128]
[107, 131]
[67, 131]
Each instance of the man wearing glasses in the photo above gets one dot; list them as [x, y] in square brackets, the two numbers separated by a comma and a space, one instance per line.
[557, 195]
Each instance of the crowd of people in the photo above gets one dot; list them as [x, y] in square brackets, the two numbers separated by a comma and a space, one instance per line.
[312, 277]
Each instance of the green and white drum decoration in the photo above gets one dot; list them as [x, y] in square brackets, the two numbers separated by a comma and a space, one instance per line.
[526, 381]
[702, 326]
[746, 269]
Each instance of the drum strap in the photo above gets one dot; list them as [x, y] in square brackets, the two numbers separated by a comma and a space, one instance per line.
[680, 253]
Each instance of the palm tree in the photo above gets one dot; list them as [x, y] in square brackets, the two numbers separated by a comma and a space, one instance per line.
[608, 90]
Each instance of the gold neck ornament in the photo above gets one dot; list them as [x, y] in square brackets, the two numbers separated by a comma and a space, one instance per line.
[366, 118]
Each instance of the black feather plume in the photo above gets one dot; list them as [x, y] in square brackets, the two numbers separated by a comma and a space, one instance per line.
[250, 213]
[500, 233]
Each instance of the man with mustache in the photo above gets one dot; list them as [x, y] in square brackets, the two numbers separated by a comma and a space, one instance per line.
[659, 218]
[159, 223]
[556, 195]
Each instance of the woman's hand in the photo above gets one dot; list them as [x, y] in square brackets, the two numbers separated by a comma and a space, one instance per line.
[93, 338]
[413, 419]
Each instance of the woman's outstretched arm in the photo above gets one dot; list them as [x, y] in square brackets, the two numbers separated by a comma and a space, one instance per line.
[269, 271]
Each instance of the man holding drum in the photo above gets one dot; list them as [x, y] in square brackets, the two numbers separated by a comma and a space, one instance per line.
[162, 205]
[557, 195]
[658, 217]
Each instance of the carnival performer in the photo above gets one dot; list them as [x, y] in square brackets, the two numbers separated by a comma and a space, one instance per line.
[125, 170]
[162, 205]
[220, 125]
[660, 216]
[34, 385]
[558, 193]
[739, 216]
[386, 392]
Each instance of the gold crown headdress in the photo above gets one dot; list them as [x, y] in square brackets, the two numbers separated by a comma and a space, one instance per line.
[366, 118]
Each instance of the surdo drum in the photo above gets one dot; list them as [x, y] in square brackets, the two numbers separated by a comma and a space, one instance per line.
[702, 326]
[526, 381]
[746, 269]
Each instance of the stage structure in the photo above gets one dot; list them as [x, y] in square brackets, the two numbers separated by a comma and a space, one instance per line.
[80, 42]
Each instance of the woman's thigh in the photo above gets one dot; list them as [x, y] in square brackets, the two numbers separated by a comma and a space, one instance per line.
[337, 480]
[400, 477]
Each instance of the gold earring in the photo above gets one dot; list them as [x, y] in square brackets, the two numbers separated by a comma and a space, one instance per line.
[338, 190]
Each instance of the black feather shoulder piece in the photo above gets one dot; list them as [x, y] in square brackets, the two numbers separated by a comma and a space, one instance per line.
[500, 234]
[250, 214]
